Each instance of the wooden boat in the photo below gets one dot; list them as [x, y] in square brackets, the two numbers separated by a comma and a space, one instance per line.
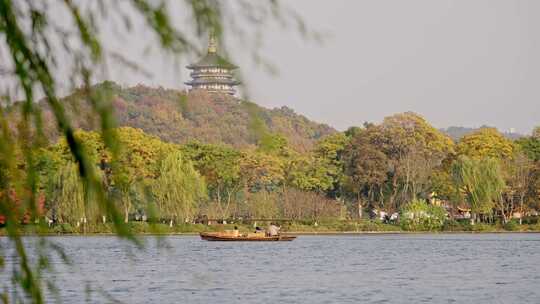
[246, 237]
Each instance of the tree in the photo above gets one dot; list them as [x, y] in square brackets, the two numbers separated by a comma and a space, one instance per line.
[329, 151]
[260, 171]
[411, 150]
[481, 181]
[310, 173]
[135, 162]
[530, 146]
[220, 167]
[367, 169]
[179, 189]
[124, 172]
[536, 132]
[414, 148]
[303, 205]
[518, 173]
[262, 205]
[486, 142]
[68, 195]
[534, 201]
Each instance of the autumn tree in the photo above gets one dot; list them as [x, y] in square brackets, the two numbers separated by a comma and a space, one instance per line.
[518, 174]
[126, 173]
[530, 146]
[134, 165]
[414, 149]
[396, 159]
[367, 168]
[309, 205]
[486, 142]
[220, 167]
[261, 171]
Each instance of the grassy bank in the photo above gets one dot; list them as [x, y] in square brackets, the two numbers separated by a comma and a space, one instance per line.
[291, 227]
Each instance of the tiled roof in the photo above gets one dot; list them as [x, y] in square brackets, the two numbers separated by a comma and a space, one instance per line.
[212, 60]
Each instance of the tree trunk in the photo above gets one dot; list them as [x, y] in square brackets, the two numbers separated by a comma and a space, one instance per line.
[381, 196]
[521, 199]
[127, 207]
[392, 201]
[370, 195]
[407, 179]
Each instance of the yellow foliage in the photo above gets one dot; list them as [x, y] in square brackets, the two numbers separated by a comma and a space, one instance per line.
[486, 142]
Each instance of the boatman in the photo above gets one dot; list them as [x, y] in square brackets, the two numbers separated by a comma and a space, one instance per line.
[273, 230]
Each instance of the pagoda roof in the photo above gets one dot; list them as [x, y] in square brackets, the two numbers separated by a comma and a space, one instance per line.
[210, 60]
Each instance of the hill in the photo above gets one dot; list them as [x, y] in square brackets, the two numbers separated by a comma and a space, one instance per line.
[179, 116]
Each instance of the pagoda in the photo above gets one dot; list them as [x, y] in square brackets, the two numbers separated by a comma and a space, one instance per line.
[213, 73]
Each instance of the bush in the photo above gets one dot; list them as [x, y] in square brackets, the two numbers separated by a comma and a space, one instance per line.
[535, 227]
[511, 226]
[419, 216]
[101, 228]
[63, 228]
[530, 220]
[480, 227]
[453, 225]
[457, 225]
[347, 227]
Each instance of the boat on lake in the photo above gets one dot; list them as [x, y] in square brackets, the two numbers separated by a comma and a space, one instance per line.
[245, 237]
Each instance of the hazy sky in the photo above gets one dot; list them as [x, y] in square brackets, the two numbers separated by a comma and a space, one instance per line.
[466, 63]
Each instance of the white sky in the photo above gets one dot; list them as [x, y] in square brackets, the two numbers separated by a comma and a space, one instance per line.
[464, 63]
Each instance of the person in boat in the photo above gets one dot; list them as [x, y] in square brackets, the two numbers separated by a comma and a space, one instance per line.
[273, 230]
[235, 231]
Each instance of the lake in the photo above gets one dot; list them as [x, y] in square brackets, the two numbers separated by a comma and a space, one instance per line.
[414, 268]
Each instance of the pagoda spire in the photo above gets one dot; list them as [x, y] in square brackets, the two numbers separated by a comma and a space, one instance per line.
[212, 44]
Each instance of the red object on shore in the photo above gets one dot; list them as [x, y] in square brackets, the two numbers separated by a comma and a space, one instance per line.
[26, 215]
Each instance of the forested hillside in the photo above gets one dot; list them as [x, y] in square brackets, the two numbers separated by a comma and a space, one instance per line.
[178, 117]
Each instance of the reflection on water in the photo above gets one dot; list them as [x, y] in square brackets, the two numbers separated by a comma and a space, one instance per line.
[456, 268]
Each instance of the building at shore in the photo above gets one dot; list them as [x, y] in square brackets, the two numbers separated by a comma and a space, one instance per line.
[213, 73]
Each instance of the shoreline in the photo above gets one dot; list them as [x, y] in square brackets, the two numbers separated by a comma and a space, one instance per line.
[297, 233]
[326, 228]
